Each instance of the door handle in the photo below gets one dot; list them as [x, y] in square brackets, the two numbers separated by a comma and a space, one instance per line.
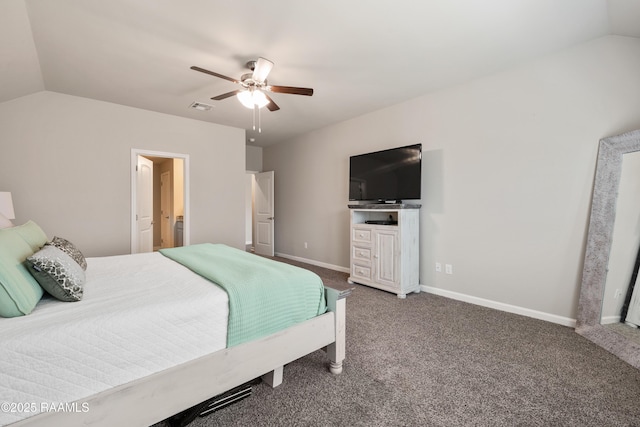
[271, 218]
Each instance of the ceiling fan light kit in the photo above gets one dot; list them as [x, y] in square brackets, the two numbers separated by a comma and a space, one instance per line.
[252, 98]
[254, 85]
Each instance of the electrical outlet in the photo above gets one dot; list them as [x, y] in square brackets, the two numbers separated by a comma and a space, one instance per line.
[438, 267]
[448, 268]
[306, 246]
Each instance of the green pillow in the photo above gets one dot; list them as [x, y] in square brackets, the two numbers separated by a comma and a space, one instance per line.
[19, 291]
[32, 234]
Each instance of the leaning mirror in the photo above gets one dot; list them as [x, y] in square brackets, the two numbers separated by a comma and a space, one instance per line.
[609, 304]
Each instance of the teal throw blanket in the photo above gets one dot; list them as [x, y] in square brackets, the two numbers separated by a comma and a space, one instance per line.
[265, 296]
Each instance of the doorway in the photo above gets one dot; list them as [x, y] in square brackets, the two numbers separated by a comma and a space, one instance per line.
[260, 218]
[166, 196]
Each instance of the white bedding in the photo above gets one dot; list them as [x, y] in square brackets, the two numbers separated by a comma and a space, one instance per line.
[140, 314]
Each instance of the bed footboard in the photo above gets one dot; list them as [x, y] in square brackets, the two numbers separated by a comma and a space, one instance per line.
[336, 302]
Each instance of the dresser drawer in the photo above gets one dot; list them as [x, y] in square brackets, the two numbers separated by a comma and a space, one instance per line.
[361, 235]
[359, 271]
[360, 254]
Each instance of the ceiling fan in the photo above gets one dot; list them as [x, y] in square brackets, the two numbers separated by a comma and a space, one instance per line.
[254, 85]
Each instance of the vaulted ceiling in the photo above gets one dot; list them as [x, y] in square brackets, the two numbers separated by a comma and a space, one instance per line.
[359, 56]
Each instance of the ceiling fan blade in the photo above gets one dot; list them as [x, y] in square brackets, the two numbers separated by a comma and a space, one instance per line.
[272, 106]
[290, 89]
[261, 70]
[202, 70]
[226, 95]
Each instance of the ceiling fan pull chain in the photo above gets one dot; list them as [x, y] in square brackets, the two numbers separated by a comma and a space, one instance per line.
[259, 121]
[254, 117]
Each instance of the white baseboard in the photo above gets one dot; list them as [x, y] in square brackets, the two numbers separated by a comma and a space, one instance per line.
[565, 321]
[607, 320]
[314, 262]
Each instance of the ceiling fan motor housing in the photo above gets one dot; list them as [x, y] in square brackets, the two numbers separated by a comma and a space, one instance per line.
[247, 81]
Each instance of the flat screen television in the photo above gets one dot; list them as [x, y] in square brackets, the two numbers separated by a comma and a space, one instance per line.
[387, 175]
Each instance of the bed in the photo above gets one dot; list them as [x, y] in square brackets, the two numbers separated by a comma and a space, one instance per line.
[151, 337]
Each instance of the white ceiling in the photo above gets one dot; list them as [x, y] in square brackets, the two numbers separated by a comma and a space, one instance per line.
[358, 55]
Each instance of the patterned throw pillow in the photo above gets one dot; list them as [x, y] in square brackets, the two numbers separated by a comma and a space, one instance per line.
[57, 273]
[68, 248]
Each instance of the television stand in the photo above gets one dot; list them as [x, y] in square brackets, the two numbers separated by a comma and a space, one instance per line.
[385, 247]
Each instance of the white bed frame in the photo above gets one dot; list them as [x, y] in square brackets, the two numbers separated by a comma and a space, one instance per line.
[154, 398]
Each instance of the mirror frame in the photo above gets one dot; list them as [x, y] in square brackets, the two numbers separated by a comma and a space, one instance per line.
[603, 213]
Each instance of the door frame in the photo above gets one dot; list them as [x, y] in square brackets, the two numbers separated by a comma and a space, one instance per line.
[135, 152]
[164, 198]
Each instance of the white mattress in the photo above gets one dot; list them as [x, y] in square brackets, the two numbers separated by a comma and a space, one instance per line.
[140, 314]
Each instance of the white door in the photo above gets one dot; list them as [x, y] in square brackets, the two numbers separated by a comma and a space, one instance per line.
[144, 204]
[166, 206]
[264, 218]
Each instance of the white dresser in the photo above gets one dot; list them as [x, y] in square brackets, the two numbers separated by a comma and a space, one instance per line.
[385, 247]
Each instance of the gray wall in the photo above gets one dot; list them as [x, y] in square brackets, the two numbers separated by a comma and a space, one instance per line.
[508, 168]
[254, 164]
[254, 158]
[66, 161]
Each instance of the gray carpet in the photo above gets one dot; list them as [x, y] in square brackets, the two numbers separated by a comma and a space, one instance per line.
[432, 361]
[629, 332]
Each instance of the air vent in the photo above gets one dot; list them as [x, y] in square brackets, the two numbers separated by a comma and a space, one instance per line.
[201, 106]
